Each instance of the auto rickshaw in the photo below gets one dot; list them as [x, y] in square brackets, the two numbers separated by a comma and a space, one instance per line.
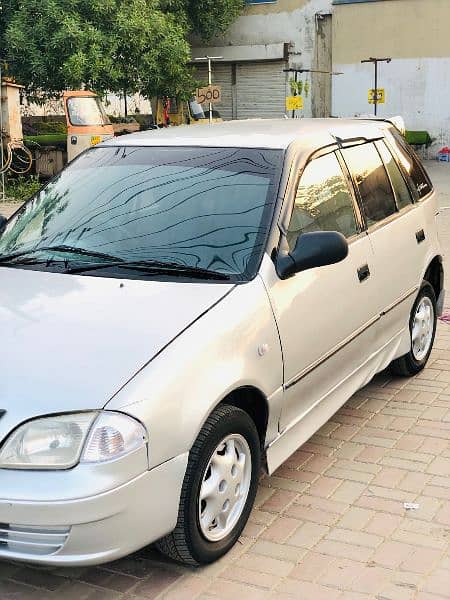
[87, 121]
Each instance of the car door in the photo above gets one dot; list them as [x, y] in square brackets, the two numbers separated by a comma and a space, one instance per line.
[324, 314]
[397, 234]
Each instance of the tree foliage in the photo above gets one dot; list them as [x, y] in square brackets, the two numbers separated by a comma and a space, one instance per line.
[206, 18]
[108, 45]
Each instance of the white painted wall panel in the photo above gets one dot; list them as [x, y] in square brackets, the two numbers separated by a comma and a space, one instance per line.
[416, 88]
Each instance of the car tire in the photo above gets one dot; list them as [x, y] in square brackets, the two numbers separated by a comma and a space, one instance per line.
[415, 360]
[221, 479]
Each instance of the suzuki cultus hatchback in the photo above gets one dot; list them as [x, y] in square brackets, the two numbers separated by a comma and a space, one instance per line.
[180, 308]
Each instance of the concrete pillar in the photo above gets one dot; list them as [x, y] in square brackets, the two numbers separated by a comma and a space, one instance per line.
[10, 107]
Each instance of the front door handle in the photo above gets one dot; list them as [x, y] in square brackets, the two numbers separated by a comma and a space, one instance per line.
[363, 272]
[420, 236]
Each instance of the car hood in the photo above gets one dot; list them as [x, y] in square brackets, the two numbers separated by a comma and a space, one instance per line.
[71, 342]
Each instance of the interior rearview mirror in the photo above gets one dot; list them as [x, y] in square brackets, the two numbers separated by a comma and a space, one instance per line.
[315, 249]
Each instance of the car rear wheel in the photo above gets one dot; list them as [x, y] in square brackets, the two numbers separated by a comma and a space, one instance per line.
[422, 327]
[219, 488]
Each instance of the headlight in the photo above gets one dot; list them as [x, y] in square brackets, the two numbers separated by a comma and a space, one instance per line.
[60, 442]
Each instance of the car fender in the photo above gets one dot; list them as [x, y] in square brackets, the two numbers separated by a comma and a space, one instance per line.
[234, 345]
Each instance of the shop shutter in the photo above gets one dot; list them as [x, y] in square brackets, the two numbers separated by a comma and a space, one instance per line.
[261, 90]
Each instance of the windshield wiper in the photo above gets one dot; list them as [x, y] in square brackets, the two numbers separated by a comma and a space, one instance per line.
[156, 267]
[147, 266]
[60, 248]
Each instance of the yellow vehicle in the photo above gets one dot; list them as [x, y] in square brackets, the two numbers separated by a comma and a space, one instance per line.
[170, 111]
[87, 122]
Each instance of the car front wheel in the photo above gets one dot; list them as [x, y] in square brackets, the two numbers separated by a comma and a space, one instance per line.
[219, 488]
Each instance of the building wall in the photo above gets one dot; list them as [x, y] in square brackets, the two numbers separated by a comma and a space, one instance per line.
[415, 34]
[260, 33]
[281, 21]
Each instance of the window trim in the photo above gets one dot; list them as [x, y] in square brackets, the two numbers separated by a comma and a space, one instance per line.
[359, 215]
[412, 202]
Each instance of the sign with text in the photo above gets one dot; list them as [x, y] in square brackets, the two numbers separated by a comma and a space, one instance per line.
[210, 93]
[294, 103]
[377, 95]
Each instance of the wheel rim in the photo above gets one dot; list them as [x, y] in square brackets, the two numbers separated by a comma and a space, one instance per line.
[225, 486]
[422, 328]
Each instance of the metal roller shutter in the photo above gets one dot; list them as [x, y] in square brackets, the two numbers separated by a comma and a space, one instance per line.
[221, 75]
[261, 90]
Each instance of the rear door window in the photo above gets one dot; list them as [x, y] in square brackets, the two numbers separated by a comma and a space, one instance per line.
[371, 179]
[323, 201]
[417, 178]
[402, 194]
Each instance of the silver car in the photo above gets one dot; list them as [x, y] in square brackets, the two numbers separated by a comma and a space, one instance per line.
[180, 308]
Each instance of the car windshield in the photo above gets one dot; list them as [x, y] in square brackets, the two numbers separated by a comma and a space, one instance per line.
[208, 209]
[86, 111]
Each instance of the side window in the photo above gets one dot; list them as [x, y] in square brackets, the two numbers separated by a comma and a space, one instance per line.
[373, 184]
[401, 190]
[418, 180]
[323, 201]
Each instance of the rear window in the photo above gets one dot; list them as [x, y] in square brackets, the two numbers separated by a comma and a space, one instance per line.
[372, 182]
[418, 180]
[402, 193]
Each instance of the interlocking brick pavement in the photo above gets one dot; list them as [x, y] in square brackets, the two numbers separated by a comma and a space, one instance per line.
[329, 524]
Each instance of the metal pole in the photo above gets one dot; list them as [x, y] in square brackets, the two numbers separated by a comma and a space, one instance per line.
[209, 59]
[375, 61]
[376, 87]
[1, 137]
[209, 83]
[296, 80]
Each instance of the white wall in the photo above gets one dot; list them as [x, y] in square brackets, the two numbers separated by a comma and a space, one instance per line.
[114, 105]
[416, 88]
[279, 22]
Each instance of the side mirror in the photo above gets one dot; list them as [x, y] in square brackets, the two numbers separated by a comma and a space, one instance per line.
[315, 249]
[3, 221]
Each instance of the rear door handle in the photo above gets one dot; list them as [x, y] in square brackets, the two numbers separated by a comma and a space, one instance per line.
[420, 236]
[363, 272]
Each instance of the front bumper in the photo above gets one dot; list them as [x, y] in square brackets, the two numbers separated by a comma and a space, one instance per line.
[92, 529]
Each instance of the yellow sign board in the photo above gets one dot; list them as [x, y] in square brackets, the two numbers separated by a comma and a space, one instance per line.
[209, 94]
[294, 103]
[95, 139]
[377, 95]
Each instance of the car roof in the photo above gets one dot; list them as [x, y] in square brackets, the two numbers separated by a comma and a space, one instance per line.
[256, 133]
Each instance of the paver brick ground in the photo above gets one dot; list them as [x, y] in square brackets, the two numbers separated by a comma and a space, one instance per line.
[330, 523]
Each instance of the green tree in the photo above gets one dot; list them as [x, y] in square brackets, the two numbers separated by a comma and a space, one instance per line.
[108, 45]
[206, 18]
[7, 8]
[103, 44]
